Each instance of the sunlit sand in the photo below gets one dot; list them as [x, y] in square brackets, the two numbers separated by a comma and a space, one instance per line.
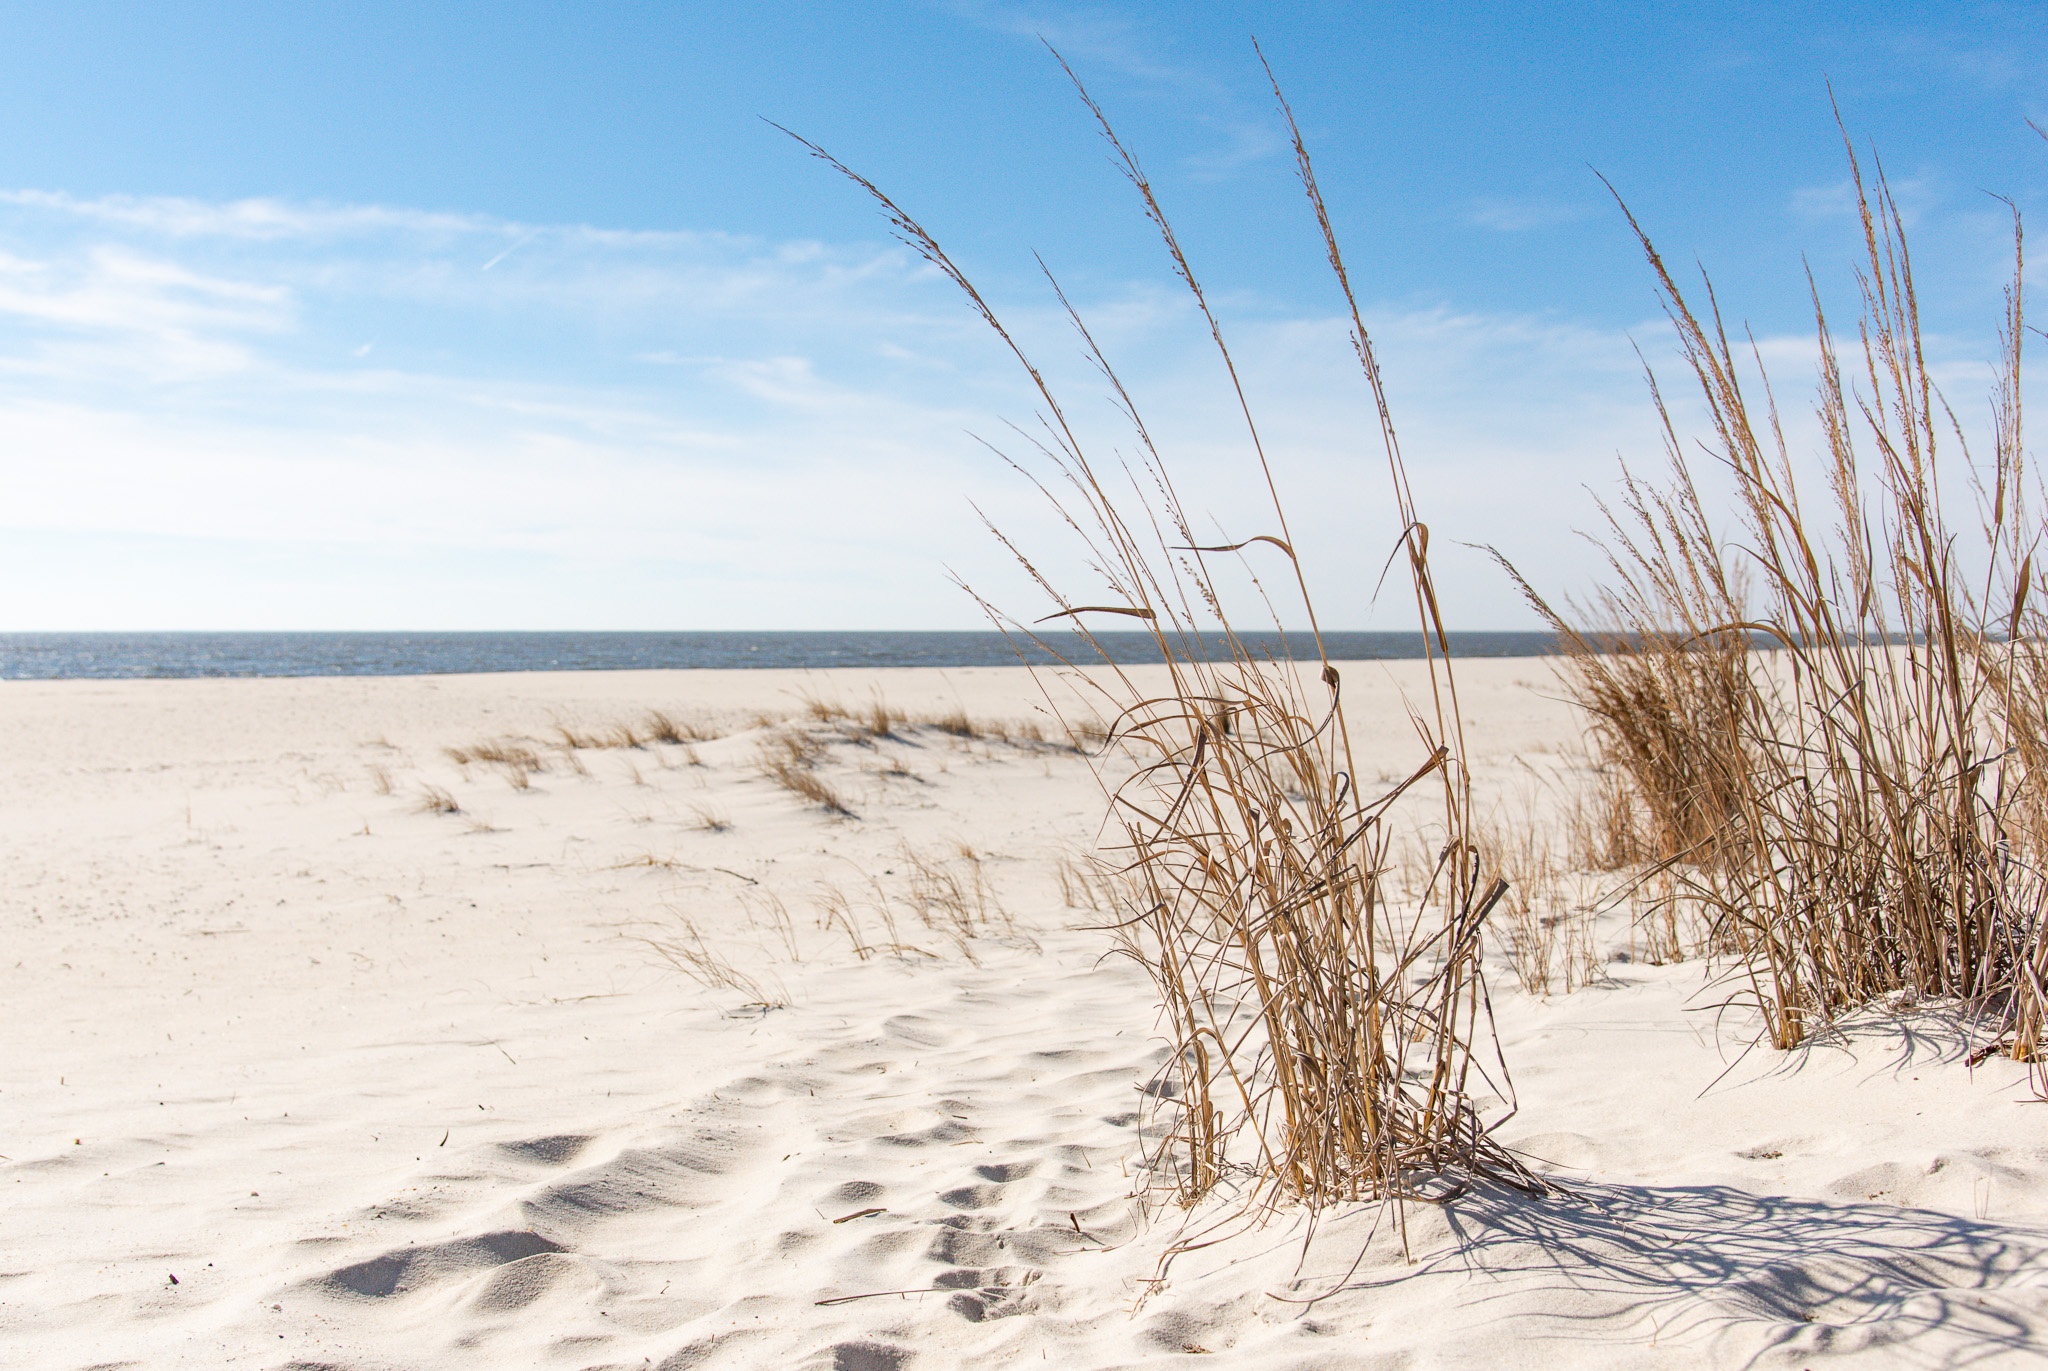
[301, 1071]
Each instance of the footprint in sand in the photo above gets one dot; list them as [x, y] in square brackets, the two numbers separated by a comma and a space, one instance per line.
[407, 1269]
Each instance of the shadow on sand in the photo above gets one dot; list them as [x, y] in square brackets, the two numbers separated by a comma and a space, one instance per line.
[1762, 1278]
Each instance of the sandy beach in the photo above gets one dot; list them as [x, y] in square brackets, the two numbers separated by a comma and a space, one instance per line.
[323, 1049]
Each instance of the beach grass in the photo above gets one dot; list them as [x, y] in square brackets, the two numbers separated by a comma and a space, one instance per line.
[1827, 725]
[1325, 1044]
[789, 757]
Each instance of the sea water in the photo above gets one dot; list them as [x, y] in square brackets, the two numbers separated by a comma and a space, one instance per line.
[53, 656]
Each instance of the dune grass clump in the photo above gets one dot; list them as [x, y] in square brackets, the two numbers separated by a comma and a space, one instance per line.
[437, 800]
[955, 895]
[1327, 1042]
[654, 726]
[1830, 723]
[711, 819]
[789, 757]
[685, 948]
[516, 760]
[956, 723]
[658, 726]
[1546, 932]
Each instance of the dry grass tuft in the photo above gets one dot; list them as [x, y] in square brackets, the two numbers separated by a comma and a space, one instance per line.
[821, 710]
[766, 908]
[896, 768]
[1086, 885]
[514, 758]
[1546, 930]
[955, 722]
[789, 758]
[954, 896]
[835, 910]
[1087, 735]
[1830, 727]
[659, 727]
[1324, 1041]
[688, 951]
[1603, 831]
[435, 800]
[496, 752]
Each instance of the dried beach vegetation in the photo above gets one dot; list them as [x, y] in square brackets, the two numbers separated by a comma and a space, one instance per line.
[683, 946]
[1827, 729]
[1545, 923]
[436, 800]
[955, 895]
[1328, 1041]
[789, 757]
[878, 720]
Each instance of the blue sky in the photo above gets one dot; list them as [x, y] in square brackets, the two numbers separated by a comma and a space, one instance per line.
[519, 316]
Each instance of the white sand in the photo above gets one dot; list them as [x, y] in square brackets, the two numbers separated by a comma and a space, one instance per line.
[384, 1088]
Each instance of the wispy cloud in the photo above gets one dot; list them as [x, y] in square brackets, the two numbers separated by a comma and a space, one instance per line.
[681, 429]
[1989, 67]
[1243, 129]
[260, 219]
[1085, 33]
[1834, 200]
[1521, 214]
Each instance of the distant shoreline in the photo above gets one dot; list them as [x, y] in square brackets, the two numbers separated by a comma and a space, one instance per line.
[176, 656]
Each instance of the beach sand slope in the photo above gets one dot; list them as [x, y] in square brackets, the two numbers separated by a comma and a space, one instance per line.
[304, 1068]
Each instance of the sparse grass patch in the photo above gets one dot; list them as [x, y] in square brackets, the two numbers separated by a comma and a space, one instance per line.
[1547, 933]
[657, 726]
[515, 759]
[1087, 735]
[497, 752]
[822, 710]
[955, 722]
[688, 951]
[436, 800]
[766, 907]
[789, 757]
[836, 911]
[954, 895]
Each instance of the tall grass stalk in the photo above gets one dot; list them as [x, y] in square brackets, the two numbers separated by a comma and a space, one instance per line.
[1327, 1043]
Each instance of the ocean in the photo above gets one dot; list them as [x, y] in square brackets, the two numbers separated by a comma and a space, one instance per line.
[62, 656]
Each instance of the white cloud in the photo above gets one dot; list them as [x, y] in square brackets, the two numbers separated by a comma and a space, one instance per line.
[261, 219]
[1245, 131]
[1915, 196]
[310, 427]
[1513, 214]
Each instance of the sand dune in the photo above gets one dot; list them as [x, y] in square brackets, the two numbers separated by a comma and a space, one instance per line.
[383, 1087]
